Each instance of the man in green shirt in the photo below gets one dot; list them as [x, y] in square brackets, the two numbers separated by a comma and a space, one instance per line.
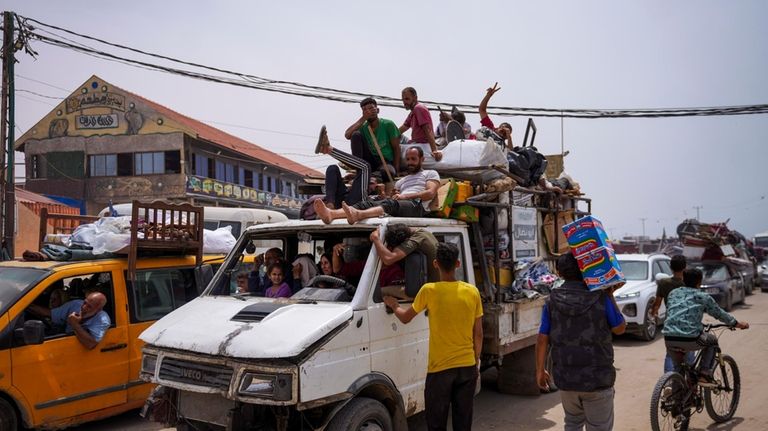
[387, 137]
[365, 155]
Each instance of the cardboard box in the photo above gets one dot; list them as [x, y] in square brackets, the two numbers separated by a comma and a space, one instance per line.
[585, 235]
[600, 268]
[446, 196]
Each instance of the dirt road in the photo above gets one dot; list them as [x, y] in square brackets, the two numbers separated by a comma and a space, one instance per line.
[639, 365]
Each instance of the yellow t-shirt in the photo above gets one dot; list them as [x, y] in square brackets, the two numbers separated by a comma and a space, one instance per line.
[453, 308]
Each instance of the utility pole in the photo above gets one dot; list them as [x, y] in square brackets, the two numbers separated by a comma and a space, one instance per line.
[697, 208]
[7, 124]
[643, 219]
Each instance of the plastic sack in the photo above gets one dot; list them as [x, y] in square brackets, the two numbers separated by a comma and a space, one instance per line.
[220, 240]
[106, 235]
[464, 153]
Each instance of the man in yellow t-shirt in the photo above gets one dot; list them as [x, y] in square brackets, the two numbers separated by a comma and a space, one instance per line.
[455, 341]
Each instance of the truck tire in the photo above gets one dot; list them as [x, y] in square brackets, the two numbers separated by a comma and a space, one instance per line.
[362, 414]
[9, 421]
[517, 373]
[649, 329]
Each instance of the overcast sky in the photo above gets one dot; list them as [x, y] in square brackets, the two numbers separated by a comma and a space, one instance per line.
[556, 54]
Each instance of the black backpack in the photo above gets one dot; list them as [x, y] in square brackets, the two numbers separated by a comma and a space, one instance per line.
[527, 162]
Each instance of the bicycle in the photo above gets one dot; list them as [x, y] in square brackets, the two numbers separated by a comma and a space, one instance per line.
[677, 394]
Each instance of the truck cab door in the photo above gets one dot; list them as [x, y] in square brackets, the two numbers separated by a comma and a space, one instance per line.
[399, 350]
[61, 379]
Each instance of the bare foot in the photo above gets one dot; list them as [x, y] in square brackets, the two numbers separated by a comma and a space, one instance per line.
[322, 211]
[352, 213]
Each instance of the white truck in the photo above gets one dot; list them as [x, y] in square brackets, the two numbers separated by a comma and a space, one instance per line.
[334, 357]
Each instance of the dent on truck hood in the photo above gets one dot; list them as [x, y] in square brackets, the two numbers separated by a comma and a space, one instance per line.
[205, 325]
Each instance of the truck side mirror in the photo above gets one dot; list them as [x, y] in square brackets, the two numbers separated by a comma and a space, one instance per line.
[203, 276]
[416, 271]
[33, 332]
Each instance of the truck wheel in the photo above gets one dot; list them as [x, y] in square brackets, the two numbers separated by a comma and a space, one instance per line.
[362, 414]
[649, 330]
[8, 419]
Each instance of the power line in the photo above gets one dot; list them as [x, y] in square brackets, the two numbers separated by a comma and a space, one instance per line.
[346, 96]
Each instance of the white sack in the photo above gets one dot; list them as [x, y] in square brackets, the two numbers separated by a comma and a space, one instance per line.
[220, 240]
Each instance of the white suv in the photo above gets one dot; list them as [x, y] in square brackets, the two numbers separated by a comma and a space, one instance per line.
[636, 298]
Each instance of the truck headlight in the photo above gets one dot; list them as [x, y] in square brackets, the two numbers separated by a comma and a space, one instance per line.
[148, 366]
[628, 296]
[277, 387]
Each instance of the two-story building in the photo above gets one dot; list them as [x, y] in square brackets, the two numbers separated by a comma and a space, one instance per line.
[104, 144]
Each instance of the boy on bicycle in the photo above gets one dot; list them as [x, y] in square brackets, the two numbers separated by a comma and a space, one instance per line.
[683, 330]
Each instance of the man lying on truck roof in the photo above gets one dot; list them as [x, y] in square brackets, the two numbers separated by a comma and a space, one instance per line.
[414, 194]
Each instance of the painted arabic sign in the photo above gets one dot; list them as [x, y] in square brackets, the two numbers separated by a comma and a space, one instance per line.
[96, 100]
[221, 189]
[105, 121]
[525, 242]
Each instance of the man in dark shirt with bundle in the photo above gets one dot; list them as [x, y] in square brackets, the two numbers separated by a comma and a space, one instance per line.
[577, 324]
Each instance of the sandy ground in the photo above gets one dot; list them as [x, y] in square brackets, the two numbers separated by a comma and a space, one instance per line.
[639, 365]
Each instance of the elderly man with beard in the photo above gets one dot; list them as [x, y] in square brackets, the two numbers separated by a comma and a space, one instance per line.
[85, 318]
[413, 196]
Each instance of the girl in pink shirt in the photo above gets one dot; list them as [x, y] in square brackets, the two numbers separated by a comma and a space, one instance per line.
[279, 288]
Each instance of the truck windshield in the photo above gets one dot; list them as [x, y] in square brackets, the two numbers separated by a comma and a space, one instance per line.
[14, 282]
[316, 265]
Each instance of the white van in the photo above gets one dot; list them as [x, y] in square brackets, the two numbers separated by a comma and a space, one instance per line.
[216, 217]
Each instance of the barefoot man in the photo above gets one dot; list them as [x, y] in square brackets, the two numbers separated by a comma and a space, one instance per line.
[414, 193]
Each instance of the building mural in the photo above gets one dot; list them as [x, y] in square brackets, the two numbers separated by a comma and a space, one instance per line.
[104, 144]
[219, 189]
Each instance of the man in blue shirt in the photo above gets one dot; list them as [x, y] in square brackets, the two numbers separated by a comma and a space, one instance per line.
[683, 330]
[577, 324]
[86, 318]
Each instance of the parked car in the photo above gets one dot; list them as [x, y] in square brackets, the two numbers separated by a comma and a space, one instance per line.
[637, 296]
[762, 275]
[723, 282]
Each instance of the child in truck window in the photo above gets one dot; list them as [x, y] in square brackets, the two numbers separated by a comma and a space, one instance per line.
[279, 288]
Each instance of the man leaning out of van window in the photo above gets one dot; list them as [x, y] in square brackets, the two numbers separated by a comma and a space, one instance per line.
[85, 318]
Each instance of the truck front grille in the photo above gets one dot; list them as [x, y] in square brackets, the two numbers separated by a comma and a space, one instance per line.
[198, 374]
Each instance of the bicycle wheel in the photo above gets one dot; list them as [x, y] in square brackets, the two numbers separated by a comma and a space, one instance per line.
[667, 412]
[721, 402]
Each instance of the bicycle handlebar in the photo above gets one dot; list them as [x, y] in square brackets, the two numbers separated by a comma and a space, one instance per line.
[710, 326]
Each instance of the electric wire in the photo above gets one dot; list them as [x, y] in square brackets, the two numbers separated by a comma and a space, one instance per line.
[346, 96]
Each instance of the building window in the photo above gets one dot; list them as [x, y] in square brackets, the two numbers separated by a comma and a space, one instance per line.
[229, 173]
[149, 163]
[201, 165]
[245, 177]
[219, 173]
[173, 162]
[103, 165]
